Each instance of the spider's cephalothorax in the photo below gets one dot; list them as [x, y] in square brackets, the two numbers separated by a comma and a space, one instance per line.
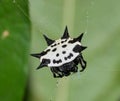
[63, 55]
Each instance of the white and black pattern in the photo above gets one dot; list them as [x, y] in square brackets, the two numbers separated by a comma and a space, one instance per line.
[62, 55]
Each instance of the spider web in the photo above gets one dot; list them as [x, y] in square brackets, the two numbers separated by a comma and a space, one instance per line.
[87, 16]
[91, 5]
[20, 9]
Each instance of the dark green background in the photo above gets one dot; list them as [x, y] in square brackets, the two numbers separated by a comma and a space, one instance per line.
[26, 21]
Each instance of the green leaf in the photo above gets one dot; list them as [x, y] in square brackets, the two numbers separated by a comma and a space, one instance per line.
[100, 20]
[14, 48]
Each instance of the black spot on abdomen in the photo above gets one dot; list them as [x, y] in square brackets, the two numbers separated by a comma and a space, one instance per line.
[57, 61]
[47, 50]
[63, 52]
[53, 45]
[65, 58]
[57, 54]
[69, 56]
[63, 41]
[54, 49]
[63, 46]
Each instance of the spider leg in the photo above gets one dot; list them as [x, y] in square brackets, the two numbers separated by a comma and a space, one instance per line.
[65, 69]
[56, 72]
[82, 62]
[66, 73]
[74, 69]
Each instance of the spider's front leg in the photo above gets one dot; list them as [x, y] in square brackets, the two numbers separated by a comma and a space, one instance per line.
[82, 62]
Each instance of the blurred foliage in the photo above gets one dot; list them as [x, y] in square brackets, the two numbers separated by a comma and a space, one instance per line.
[14, 48]
[99, 19]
